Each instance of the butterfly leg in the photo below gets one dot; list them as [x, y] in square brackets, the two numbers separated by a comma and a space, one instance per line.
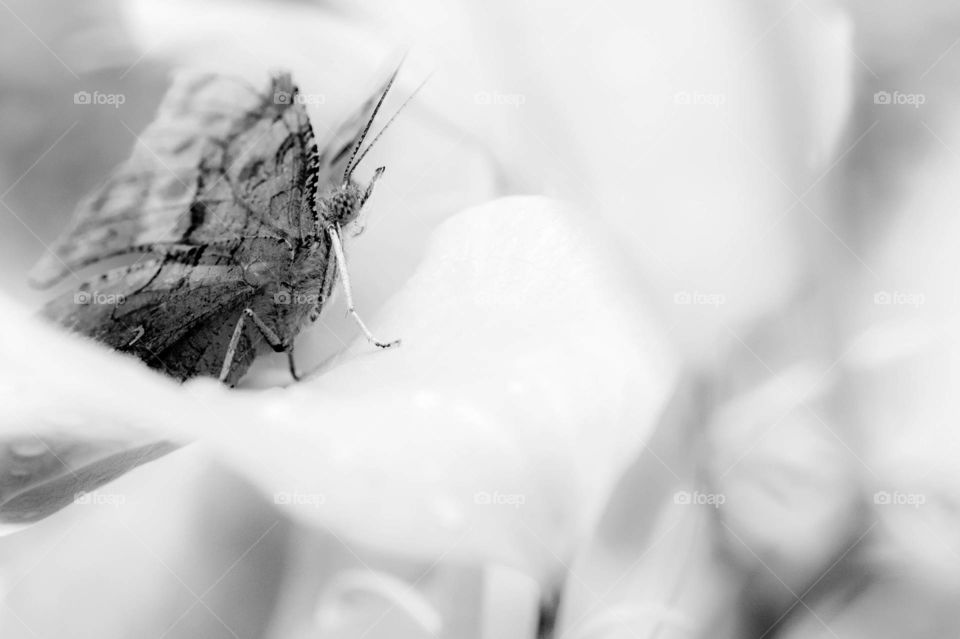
[275, 342]
[292, 365]
[268, 333]
[232, 349]
[348, 293]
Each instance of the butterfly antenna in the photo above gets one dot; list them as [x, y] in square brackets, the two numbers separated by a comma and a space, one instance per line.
[366, 129]
[389, 122]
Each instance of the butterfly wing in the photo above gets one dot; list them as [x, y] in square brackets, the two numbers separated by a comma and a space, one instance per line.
[202, 351]
[189, 175]
[244, 171]
[176, 317]
[265, 179]
[147, 200]
[272, 166]
[261, 181]
[220, 161]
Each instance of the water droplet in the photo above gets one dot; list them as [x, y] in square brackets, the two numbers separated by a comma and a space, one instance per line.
[28, 448]
[19, 471]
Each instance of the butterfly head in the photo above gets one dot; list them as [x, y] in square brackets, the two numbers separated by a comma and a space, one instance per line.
[343, 206]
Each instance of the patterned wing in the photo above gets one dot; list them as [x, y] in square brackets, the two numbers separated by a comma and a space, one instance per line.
[201, 352]
[176, 317]
[148, 201]
[266, 179]
[261, 181]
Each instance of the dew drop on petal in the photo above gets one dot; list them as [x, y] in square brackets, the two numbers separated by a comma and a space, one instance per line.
[28, 448]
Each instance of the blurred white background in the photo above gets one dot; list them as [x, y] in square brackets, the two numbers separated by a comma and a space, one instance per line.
[701, 384]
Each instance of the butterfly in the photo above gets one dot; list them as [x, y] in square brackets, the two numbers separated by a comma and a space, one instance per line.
[238, 218]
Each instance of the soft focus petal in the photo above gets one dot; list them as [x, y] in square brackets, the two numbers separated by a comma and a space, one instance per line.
[525, 384]
[653, 566]
[178, 549]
